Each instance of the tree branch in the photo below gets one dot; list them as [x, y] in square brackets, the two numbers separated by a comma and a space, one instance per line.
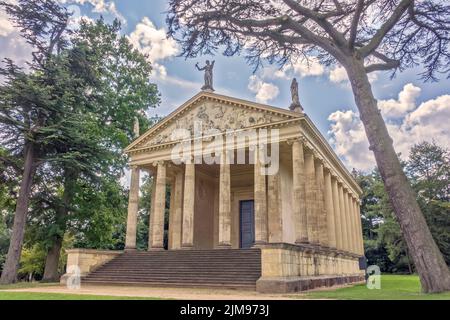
[385, 28]
[355, 23]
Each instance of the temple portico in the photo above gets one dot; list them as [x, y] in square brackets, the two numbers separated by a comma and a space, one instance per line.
[257, 179]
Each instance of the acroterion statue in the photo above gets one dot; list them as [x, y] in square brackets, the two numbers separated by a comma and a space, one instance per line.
[295, 97]
[208, 68]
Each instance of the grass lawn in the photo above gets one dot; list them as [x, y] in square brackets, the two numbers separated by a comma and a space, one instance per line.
[393, 287]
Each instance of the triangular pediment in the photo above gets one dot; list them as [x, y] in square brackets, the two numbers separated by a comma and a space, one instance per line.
[215, 112]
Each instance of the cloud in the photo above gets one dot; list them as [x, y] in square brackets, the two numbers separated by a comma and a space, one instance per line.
[339, 75]
[99, 6]
[264, 91]
[301, 68]
[409, 125]
[405, 103]
[6, 27]
[154, 43]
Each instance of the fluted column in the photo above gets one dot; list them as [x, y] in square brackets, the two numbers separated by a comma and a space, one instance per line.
[224, 203]
[320, 198]
[329, 205]
[311, 206]
[157, 233]
[261, 230]
[176, 211]
[337, 215]
[299, 192]
[344, 226]
[133, 207]
[189, 206]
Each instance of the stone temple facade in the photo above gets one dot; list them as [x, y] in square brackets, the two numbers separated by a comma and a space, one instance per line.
[300, 209]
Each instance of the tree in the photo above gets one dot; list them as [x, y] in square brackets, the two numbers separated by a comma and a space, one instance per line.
[27, 103]
[121, 91]
[363, 36]
[429, 170]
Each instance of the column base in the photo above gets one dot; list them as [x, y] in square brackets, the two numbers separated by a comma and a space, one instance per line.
[187, 247]
[156, 249]
[224, 246]
[302, 242]
[259, 244]
[130, 250]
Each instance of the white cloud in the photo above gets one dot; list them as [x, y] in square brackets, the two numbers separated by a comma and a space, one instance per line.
[6, 27]
[99, 6]
[264, 91]
[154, 43]
[338, 75]
[302, 68]
[405, 103]
[426, 122]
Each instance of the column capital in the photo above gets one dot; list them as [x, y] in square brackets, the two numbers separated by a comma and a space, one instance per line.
[159, 163]
[299, 139]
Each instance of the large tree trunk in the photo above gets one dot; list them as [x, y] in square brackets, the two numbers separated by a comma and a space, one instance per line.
[53, 255]
[9, 274]
[52, 261]
[430, 264]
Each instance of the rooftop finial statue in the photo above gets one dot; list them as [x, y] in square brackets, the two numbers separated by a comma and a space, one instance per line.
[208, 75]
[136, 128]
[295, 97]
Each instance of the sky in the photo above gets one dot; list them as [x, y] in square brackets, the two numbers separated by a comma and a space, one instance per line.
[414, 111]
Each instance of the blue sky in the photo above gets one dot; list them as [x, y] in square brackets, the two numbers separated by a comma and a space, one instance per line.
[324, 93]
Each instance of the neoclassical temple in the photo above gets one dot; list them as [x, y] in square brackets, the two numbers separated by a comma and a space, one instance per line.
[300, 220]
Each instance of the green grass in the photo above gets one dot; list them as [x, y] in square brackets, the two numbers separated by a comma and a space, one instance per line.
[61, 296]
[393, 287]
[27, 285]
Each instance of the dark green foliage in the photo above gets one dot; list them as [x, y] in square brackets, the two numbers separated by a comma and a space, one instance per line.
[76, 106]
[428, 168]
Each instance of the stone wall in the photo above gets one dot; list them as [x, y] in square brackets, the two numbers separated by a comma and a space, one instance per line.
[290, 268]
[86, 261]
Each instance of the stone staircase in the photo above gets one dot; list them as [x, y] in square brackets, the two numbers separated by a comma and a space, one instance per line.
[231, 269]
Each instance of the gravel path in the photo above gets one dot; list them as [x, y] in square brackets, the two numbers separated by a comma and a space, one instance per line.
[164, 293]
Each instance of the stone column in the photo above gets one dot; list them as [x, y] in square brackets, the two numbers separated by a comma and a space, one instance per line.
[160, 208]
[224, 203]
[320, 197]
[176, 211]
[152, 211]
[330, 209]
[360, 231]
[311, 207]
[344, 226]
[189, 206]
[274, 209]
[355, 244]
[299, 192]
[133, 207]
[337, 214]
[347, 221]
[261, 230]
